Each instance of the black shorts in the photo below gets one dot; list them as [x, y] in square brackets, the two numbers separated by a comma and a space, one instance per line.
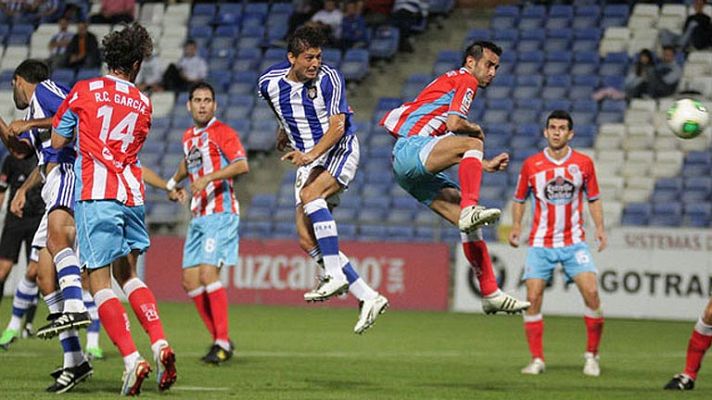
[14, 233]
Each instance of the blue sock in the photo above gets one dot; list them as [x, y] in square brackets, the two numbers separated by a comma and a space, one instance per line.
[70, 280]
[326, 235]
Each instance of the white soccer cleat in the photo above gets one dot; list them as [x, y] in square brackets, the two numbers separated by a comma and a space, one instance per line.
[503, 303]
[328, 286]
[134, 377]
[473, 217]
[370, 310]
[591, 366]
[535, 367]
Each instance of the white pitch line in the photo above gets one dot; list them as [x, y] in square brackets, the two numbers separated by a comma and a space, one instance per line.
[200, 389]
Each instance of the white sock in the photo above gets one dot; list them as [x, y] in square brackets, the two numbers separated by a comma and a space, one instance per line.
[223, 343]
[130, 360]
[156, 347]
[92, 340]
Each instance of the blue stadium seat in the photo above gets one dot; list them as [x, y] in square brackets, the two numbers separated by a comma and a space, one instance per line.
[584, 22]
[384, 43]
[557, 22]
[199, 32]
[255, 229]
[560, 10]
[398, 216]
[636, 214]
[282, 8]
[506, 11]
[331, 57]
[284, 230]
[355, 64]
[697, 214]
[616, 10]
[204, 9]
[88, 73]
[256, 8]
[588, 10]
[590, 106]
[22, 29]
[557, 104]
[554, 93]
[476, 34]
[620, 57]
[583, 45]
[63, 75]
[617, 82]
[666, 214]
[373, 233]
[558, 81]
[533, 11]
[500, 104]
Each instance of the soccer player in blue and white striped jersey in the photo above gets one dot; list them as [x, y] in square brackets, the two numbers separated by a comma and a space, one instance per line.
[309, 99]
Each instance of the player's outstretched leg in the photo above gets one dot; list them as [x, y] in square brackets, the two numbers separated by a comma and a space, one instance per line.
[698, 345]
[472, 215]
[94, 352]
[25, 296]
[493, 299]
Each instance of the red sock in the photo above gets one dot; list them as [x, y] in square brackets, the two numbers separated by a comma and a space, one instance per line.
[696, 349]
[115, 321]
[145, 308]
[202, 304]
[534, 330]
[477, 254]
[594, 329]
[470, 176]
[217, 296]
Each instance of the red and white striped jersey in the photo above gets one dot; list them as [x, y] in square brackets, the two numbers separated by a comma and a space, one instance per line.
[207, 150]
[557, 188]
[450, 93]
[111, 118]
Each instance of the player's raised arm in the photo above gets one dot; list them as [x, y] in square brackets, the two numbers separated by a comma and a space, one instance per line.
[18, 147]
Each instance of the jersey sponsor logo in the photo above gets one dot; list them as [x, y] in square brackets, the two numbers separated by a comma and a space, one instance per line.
[467, 101]
[559, 191]
[194, 160]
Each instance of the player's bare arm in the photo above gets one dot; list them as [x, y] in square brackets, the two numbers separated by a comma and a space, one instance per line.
[497, 163]
[282, 140]
[331, 137]
[230, 172]
[516, 231]
[152, 178]
[20, 125]
[18, 202]
[19, 148]
[596, 209]
[459, 125]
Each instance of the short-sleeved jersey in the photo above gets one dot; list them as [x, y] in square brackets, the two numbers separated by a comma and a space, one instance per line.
[13, 173]
[557, 188]
[304, 109]
[450, 93]
[112, 118]
[207, 150]
[45, 102]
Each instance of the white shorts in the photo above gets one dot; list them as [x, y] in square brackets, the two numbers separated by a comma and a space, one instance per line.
[57, 192]
[341, 162]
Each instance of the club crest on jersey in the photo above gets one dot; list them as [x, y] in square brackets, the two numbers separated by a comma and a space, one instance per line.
[204, 137]
[559, 191]
[194, 160]
[311, 92]
[573, 169]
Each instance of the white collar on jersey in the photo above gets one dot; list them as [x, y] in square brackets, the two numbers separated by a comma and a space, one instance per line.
[558, 162]
[197, 130]
[117, 79]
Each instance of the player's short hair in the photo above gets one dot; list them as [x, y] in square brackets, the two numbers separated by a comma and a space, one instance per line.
[198, 86]
[124, 48]
[33, 71]
[477, 49]
[306, 37]
[560, 114]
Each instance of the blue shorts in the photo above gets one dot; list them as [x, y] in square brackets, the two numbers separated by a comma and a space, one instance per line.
[409, 156]
[575, 259]
[108, 230]
[213, 240]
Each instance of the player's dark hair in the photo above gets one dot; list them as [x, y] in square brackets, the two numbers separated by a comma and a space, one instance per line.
[477, 49]
[306, 37]
[190, 41]
[124, 48]
[33, 71]
[201, 85]
[560, 114]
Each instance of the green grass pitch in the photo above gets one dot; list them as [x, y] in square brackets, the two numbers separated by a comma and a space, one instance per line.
[311, 353]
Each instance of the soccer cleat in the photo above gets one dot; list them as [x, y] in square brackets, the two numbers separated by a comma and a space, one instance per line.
[70, 377]
[591, 365]
[328, 286]
[28, 333]
[680, 382]
[134, 377]
[165, 368]
[64, 322]
[535, 367]
[370, 310]
[504, 303]
[218, 355]
[94, 353]
[8, 336]
[473, 217]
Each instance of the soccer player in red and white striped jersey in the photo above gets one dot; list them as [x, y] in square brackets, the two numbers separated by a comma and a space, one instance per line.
[559, 179]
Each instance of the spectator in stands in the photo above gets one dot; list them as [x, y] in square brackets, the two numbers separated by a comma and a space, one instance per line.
[83, 49]
[58, 44]
[115, 12]
[697, 31]
[75, 10]
[667, 74]
[377, 12]
[405, 15]
[303, 11]
[639, 77]
[190, 69]
[353, 27]
[330, 16]
[150, 76]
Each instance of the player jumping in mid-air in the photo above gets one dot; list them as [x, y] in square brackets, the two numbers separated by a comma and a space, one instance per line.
[213, 158]
[698, 345]
[111, 119]
[558, 180]
[433, 135]
[309, 99]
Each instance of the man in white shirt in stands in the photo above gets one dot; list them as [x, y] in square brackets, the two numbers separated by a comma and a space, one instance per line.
[190, 69]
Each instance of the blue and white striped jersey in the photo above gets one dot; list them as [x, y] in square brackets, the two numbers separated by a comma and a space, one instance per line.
[45, 102]
[304, 109]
